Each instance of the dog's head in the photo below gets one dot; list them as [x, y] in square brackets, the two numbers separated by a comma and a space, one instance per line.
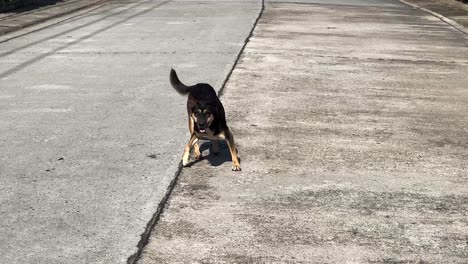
[202, 115]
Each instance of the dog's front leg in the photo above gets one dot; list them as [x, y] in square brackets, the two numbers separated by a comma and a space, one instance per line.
[233, 150]
[196, 151]
[188, 147]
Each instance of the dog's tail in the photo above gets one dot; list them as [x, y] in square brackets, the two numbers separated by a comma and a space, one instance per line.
[177, 84]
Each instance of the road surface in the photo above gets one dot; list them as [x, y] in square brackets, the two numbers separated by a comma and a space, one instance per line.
[91, 132]
[350, 119]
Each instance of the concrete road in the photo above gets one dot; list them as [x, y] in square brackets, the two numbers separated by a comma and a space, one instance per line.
[91, 132]
[352, 126]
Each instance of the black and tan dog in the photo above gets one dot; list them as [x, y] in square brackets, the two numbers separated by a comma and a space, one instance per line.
[206, 119]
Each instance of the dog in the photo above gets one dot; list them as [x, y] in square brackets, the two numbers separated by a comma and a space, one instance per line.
[206, 119]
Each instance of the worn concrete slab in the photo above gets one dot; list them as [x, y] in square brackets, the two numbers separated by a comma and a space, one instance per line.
[352, 128]
[91, 132]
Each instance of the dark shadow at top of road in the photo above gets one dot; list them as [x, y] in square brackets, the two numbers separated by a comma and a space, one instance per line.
[21, 6]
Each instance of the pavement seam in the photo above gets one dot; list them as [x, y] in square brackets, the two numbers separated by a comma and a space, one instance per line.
[133, 259]
[155, 218]
[239, 55]
[441, 17]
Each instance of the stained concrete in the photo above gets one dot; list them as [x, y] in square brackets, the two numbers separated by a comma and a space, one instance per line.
[353, 134]
[92, 133]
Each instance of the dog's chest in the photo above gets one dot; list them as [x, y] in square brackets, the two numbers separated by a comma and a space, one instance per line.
[209, 134]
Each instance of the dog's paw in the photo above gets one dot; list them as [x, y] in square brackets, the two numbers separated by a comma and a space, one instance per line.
[185, 160]
[196, 153]
[236, 167]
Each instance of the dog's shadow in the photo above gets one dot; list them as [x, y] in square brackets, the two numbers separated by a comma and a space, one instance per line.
[215, 160]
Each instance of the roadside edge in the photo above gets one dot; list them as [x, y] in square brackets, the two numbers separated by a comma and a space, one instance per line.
[439, 16]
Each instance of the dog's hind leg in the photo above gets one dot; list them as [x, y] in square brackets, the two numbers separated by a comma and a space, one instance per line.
[193, 140]
[233, 150]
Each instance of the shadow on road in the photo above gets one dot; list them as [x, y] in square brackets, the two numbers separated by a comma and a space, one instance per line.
[214, 160]
[17, 7]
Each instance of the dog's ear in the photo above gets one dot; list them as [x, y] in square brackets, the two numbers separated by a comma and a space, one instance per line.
[210, 119]
[192, 114]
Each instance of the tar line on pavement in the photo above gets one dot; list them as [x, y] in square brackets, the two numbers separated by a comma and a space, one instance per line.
[160, 210]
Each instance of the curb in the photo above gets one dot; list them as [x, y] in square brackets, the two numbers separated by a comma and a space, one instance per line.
[441, 17]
